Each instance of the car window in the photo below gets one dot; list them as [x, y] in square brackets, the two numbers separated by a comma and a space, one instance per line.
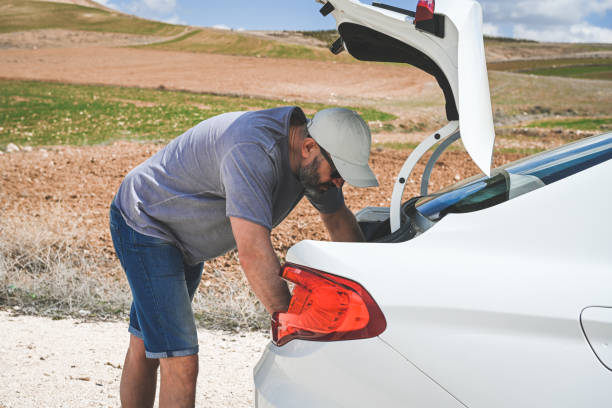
[517, 178]
[474, 196]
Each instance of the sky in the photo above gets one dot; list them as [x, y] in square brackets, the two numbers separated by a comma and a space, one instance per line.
[541, 20]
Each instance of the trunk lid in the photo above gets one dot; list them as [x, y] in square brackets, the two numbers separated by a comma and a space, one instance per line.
[450, 47]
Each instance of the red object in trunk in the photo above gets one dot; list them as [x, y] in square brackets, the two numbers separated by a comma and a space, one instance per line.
[425, 10]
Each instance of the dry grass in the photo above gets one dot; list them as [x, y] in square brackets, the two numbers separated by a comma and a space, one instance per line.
[47, 269]
[229, 304]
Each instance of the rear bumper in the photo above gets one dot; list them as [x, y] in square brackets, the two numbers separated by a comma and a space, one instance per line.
[359, 373]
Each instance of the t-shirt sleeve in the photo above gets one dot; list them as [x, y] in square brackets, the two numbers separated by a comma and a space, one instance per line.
[328, 202]
[248, 176]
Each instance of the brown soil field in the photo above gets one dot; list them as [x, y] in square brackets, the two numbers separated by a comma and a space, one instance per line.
[78, 183]
[298, 80]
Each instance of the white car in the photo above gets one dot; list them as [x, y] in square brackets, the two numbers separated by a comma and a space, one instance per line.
[494, 292]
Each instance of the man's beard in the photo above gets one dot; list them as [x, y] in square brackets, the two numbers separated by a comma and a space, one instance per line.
[309, 177]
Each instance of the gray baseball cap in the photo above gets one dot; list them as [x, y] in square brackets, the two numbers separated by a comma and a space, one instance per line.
[347, 139]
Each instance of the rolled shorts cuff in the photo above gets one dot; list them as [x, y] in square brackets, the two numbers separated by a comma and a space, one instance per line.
[164, 354]
[135, 332]
[173, 353]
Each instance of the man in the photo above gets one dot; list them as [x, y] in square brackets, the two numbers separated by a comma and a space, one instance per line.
[223, 184]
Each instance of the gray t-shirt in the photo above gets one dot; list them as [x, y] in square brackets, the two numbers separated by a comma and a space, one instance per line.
[235, 164]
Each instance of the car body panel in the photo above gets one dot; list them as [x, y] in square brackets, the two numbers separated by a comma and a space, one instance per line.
[597, 325]
[460, 55]
[496, 307]
[332, 370]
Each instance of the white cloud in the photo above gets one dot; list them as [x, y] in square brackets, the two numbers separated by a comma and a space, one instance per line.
[548, 20]
[107, 3]
[221, 27]
[161, 6]
[582, 32]
[544, 11]
[157, 9]
[174, 20]
[490, 29]
[598, 6]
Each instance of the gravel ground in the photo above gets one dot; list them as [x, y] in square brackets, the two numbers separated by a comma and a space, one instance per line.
[68, 363]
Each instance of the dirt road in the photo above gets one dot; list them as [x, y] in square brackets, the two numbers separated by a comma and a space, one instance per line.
[68, 363]
[60, 38]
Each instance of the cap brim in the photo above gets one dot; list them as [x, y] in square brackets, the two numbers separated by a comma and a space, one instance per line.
[355, 174]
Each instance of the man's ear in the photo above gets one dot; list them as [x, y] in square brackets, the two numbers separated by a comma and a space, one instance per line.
[308, 147]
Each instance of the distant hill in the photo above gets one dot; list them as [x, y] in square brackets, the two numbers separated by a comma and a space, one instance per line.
[588, 61]
[26, 15]
[87, 15]
[257, 44]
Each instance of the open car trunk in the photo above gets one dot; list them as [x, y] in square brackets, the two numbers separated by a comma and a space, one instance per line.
[376, 227]
[480, 192]
[443, 38]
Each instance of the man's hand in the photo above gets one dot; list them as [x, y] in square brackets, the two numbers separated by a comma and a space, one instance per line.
[260, 264]
[342, 226]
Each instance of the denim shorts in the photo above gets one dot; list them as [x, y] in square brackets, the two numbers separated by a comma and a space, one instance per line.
[162, 286]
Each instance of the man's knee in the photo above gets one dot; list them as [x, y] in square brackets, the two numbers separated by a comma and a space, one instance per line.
[137, 352]
[185, 367]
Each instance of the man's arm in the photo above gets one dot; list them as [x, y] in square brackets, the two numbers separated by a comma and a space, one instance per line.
[342, 226]
[260, 264]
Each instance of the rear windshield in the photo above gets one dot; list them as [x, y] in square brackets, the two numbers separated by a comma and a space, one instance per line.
[517, 178]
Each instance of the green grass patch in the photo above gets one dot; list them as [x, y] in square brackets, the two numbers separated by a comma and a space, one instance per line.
[594, 47]
[231, 43]
[523, 151]
[586, 68]
[396, 145]
[575, 124]
[42, 113]
[529, 65]
[326, 36]
[179, 38]
[24, 15]
[493, 39]
[581, 71]
[515, 94]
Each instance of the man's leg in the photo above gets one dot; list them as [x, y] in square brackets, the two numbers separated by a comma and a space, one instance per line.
[139, 376]
[178, 381]
[179, 374]
[162, 288]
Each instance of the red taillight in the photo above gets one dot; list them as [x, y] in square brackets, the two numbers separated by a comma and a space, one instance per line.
[425, 10]
[326, 307]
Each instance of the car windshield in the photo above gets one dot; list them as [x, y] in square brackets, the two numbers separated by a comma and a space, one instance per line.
[517, 178]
